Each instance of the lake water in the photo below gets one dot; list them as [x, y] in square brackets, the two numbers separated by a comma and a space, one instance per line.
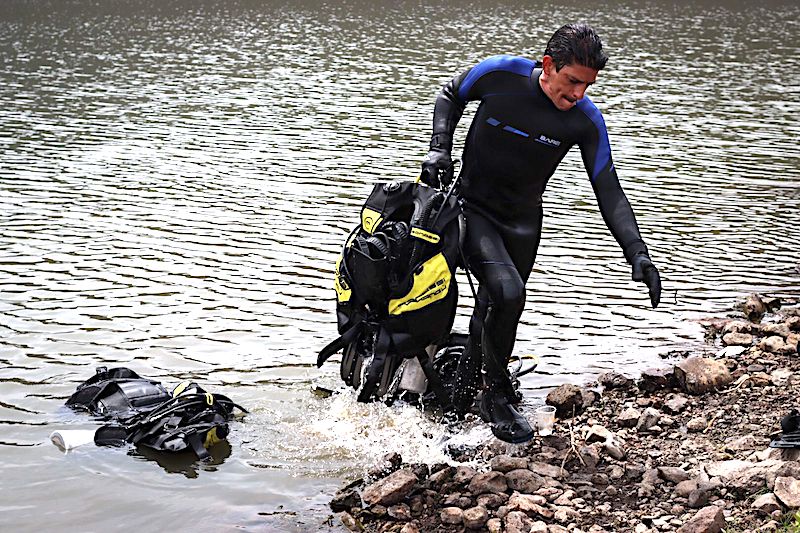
[177, 179]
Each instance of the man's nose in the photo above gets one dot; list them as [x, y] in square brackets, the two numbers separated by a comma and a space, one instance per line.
[579, 92]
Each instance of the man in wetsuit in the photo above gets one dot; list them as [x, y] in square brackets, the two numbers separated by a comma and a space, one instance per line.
[530, 115]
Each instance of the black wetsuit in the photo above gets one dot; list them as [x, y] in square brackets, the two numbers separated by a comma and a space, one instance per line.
[517, 139]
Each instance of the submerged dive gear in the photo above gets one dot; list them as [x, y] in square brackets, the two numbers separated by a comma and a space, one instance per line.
[644, 270]
[395, 287]
[143, 413]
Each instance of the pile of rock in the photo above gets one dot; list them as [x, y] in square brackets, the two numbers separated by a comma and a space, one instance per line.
[682, 448]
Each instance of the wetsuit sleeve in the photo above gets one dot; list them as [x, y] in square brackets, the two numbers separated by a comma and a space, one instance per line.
[614, 205]
[447, 112]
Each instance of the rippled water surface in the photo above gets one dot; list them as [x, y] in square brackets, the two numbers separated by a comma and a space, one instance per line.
[177, 178]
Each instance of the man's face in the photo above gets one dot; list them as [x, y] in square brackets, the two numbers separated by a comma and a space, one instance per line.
[566, 86]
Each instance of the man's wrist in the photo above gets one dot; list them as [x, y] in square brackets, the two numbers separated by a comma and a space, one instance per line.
[441, 142]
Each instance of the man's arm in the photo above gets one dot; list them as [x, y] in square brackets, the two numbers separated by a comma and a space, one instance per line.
[614, 205]
[446, 114]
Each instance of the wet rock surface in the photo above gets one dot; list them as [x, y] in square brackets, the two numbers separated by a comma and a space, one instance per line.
[685, 450]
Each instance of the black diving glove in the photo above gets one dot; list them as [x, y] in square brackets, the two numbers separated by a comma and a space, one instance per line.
[644, 270]
[437, 169]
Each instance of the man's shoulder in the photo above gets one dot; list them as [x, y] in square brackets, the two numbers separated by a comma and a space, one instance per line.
[590, 110]
[507, 63]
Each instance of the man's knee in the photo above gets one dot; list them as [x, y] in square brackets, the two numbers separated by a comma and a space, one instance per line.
[508, 297]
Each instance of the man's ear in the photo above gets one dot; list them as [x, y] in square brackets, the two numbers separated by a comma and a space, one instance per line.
[548, 66]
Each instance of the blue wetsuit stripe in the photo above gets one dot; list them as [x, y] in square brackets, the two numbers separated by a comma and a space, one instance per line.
[603, 155]
[516, 65]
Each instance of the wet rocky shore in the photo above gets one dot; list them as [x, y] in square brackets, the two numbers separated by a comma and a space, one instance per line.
[684, 447]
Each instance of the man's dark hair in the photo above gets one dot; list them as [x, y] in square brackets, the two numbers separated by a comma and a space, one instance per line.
[576, 44]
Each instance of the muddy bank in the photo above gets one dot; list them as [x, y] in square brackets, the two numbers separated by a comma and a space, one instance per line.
[680, 448]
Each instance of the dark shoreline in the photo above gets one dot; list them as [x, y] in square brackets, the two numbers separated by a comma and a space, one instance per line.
[680, 448]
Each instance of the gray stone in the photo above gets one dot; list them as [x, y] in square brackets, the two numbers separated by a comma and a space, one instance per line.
[475, 517]
[684, 488]
[738, 444]
[648, 419]
[629, 417]
[545, 469]
[614, 380]
[530, 504]
[351, 523]
[518, 522]
[506, 463]
[654, 379]
[775, 344]
[391, 489]
[492, 481]
[698, 498]
[698, 375]
[538, 527]
[740, 326]
[745, 478]
[452, 515]
[766, 503]
[782, 330]
[616, 472]
[590, 457]
[614, 451]
[598, 433]
[344, 500]
[567, 399]
[494, 525]
[523, 480]
[401, 512]
[590, 397]
[673, 474]
[491, 500]
[410, 528]
[697, 424]
[754, 307]
[437, 479]
[675, 404]
[463, 475]
[737, 339]
[707, 520]
[787, 490]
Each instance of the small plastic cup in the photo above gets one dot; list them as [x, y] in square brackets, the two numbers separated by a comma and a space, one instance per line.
[545, 418]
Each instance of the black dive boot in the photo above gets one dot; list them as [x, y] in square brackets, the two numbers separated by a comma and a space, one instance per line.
[506, 422]
[468, 379]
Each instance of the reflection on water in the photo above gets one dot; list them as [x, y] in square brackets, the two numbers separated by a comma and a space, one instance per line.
[177, 179]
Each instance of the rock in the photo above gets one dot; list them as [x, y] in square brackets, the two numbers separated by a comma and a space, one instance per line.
[697, 375]
[401, 512]
[616, 472]
[740, 326]
[475, 517]
[344, 500]
[452, 515]
[565, 515]
[589, 457]
[566, 399]
[746, 478]
[707, 520]
[614, 451]
[698, 498]
[494, 525]
[351, 523]
[614, 380]
[738, 444]
[774, 344]
[737, 339]
[440, 477]
[787, 490]
[492, 500]
[391, 489]
[463, 475]
[673, 474]
[518, 522]
[654, 379]
[545, 469]
[600, 479]
[773, 303]
[538, 527]
[523, 480]
[697, 424]
[492, 481]
[410, 528]
[529, 504]
[766, 503]
[781, 376]
[648, 419]
[754, 308]
[675, 404]
[629, 417]
[598, 433]
[781, 330]
[506, 463]
[684, 488]
[590, 397]
[421, 470]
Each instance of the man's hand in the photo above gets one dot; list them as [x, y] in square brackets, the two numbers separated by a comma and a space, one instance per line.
[435, 169]
[644, 270]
